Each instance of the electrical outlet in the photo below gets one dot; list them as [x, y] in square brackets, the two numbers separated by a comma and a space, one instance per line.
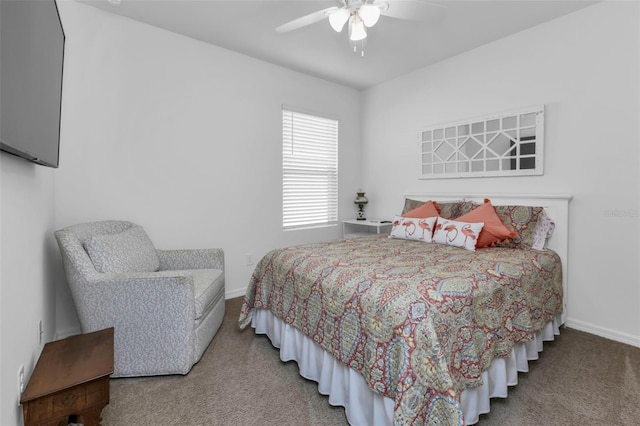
[20, 381]
[40, 333]
[249, 258]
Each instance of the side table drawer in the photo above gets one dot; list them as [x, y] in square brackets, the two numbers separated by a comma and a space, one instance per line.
[98, 392]
[69, 401]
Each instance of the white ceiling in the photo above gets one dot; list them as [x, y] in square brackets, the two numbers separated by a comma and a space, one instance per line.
[394, 47]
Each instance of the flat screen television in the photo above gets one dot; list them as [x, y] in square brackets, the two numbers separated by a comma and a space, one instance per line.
[31, 62]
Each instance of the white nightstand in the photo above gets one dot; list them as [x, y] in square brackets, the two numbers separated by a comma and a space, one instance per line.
[358, 228]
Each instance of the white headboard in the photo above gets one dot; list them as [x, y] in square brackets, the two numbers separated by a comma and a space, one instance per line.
[556, 206]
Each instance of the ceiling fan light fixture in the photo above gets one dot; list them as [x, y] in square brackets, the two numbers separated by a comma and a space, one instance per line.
[357, 29]
[369, 14]
[338, 18]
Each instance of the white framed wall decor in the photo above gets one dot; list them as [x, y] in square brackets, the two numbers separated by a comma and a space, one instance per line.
[505, 144]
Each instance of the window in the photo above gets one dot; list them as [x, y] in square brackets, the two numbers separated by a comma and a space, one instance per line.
[309, 170]
[508, 144]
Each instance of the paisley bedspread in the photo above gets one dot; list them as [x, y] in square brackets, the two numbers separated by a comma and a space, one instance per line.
[419, 321]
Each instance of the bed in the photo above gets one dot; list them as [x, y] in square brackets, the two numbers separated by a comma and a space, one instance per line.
[405, 332]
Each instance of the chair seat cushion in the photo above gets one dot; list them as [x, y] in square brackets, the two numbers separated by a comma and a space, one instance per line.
[208, 286]
[128, 251]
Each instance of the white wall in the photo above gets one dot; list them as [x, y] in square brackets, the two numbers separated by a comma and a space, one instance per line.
[156, 130]
[183, 138]
[28, 257]
[585, 69]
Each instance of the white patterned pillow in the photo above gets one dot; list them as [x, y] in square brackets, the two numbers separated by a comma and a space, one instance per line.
[544, 231]
[458, 234]
[128, 251]
[410, 228]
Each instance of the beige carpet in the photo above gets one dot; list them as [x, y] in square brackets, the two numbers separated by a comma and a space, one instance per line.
[580, 379]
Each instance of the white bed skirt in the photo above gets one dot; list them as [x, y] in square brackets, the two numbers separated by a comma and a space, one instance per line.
[347, 388]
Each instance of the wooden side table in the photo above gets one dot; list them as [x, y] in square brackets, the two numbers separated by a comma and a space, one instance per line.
[71, 377]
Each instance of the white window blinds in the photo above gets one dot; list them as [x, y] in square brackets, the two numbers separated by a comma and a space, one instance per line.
[309, 170]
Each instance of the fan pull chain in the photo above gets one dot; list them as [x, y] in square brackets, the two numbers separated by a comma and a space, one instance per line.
[355, 47]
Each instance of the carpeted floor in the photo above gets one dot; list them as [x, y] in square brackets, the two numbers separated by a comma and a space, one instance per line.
[580, 379]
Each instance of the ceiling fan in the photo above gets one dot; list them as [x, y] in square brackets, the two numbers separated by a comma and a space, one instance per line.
[360, 15]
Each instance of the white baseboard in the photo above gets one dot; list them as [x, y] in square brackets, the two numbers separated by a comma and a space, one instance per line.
[230, 294]
[607, 333]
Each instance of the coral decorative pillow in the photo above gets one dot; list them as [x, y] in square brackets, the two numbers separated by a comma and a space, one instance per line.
[457, 234]
[409, 228]
[494, 230]
[410, 204]
[427, 209]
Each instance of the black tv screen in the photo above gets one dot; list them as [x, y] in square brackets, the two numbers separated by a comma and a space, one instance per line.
[31, 63]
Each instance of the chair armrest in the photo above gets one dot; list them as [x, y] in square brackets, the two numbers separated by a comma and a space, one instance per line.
[111, 297]
[191, 259]
[153, 314]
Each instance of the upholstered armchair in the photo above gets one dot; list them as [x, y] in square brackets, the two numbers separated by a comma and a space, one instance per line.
[165, 305]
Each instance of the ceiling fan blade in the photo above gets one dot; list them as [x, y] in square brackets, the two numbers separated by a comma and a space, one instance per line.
[303, 21]
[432, 3]
[413, 10]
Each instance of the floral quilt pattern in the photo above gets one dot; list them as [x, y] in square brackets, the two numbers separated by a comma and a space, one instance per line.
[419, 321]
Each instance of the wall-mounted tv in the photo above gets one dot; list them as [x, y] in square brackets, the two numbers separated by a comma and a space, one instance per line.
[31, 63]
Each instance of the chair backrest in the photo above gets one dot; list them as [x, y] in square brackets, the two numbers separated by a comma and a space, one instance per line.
[71, 240]
[84, 231]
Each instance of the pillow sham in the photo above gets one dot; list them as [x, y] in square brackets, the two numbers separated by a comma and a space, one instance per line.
[128, 251]
[524, 221]
[454, 209]
[456, 233]
[494, 230]
[409, 228]
[427, 209]
[544, 231]
[410, 204]
[446, 209]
